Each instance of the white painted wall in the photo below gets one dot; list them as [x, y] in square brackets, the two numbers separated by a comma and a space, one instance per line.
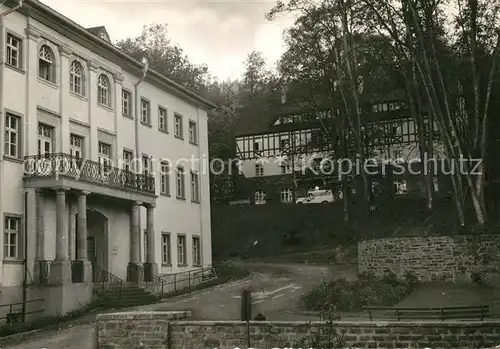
[35, 100]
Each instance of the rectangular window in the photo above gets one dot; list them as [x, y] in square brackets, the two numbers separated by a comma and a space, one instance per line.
[12, 130]
[180, 185]
[259, 170]
[181, 250]
[196, 251]
[286, 195]
[45, 139]
[14, 51]
[162, 119]
[104, 157]
[178, 125]
[146, 165]
[127, 160]
[195, 187]
[166, 257]
[126, 103]
[193, 134]
[12, 241]
[145, 112]
[76, 146]
[165, 178]
[260, 197]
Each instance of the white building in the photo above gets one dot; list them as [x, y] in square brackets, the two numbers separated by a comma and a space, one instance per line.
[79, 121]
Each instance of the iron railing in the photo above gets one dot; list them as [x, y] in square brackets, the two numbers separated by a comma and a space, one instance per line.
[154, 284]
[190, 278]
[166, 285]
[68, 166]
[15, 316]
[103, 279]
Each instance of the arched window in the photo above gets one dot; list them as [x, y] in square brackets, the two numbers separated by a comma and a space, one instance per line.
[46, 64]
[103, 90]
[77, 78]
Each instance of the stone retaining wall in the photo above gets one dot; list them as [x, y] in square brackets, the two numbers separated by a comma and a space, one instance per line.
[432, 258]
[164, 330]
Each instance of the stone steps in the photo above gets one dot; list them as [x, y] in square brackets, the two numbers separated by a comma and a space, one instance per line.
[129, 295]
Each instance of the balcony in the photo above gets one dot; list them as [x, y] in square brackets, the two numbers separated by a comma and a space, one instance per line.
[60, 169]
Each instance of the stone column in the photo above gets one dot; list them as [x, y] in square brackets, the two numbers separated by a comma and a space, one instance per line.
[41, 271]
[150, 267]
[81, 242]
[134, 242]
[60, 269]
[61, 226]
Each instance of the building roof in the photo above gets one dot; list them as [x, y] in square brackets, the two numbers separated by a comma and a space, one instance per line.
[70, 29]
[100, 31]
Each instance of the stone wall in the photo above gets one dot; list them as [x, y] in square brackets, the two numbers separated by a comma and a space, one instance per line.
[432, 258]
[164, 330]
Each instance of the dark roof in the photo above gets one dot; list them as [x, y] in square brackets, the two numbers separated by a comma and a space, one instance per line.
[96, 30]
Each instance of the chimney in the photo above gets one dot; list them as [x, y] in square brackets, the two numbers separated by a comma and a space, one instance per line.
[283, 93]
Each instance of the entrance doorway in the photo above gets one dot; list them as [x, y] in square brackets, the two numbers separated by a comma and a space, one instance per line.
[97, 238]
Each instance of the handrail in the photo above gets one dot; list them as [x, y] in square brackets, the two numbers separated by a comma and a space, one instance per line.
[103, 278]
[190, 276]
[161, 286]
[66, 165]
[157, 286]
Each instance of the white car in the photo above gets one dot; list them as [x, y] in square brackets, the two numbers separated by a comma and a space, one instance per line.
[317, 196]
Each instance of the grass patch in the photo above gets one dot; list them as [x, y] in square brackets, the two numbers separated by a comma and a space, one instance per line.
[351, 296]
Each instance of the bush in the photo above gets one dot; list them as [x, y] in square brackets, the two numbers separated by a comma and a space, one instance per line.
[352, 296]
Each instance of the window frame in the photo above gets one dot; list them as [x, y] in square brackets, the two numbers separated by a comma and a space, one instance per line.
[19, 238]
[107, 89]
[193, 140]
[128, 114]
[51, 64]
[180, 134]
[196, 256]
[180, 176]
[259, 170]
[18, 133]
[147, 103]
[165, 118]
[183, 262]
[165, 176]
[82, 84]
[168, 261]
[8, 49]
[195, 186]
[289, 195]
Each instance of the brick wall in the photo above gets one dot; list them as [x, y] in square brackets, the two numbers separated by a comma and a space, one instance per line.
[159, 330]
[431, 258]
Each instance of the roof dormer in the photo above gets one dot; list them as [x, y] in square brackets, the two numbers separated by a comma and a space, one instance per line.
[100, 32]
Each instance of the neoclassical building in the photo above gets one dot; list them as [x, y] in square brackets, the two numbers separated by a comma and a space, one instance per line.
[97, 172]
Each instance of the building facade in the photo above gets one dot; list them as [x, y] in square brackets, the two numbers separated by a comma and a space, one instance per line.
[102, 166]
[287, 157]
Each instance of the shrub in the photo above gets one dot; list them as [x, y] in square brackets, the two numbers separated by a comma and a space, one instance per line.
[352, 296]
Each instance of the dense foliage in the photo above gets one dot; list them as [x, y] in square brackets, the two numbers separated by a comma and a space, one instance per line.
[352, 295]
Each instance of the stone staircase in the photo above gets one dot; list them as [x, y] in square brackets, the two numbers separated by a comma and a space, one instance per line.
[112, 292]
[121, 296]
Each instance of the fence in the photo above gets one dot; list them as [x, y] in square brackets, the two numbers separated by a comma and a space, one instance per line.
[14, 311]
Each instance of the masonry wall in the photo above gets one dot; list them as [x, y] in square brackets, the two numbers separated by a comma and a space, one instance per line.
[431, 258]
[157, 330]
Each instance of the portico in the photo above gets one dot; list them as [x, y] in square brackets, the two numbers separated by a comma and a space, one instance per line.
[72, 262]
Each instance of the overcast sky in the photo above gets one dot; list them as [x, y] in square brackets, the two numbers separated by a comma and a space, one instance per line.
[218, 33]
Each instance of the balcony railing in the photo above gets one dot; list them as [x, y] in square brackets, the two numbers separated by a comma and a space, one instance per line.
[64, 165]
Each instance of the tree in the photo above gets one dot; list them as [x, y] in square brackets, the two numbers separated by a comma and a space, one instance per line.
[163, 56]
[456, 73]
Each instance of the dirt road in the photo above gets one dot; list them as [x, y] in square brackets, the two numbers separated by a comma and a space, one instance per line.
[276, 290]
